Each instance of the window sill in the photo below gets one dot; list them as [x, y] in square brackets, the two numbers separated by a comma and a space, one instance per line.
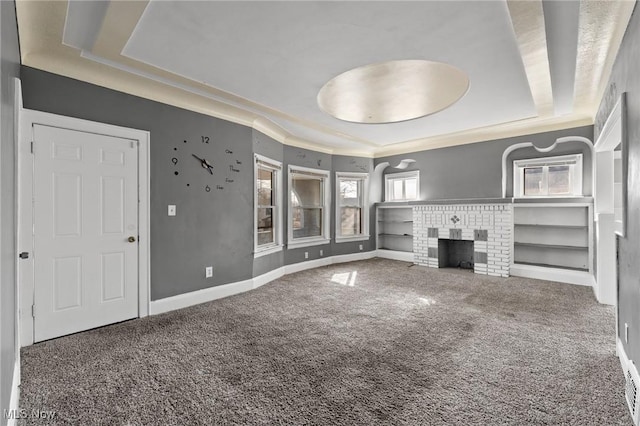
[308, 243]
[353, 238]
[267, 250]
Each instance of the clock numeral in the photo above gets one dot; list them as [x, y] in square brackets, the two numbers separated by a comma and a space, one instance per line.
[207, 188]
[205, 139]
[228, 151]
[174, 160]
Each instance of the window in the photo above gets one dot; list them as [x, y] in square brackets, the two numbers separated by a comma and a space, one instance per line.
[308, 207]
[268, 228]
[352, 212]
[402, 186]
[548, 177]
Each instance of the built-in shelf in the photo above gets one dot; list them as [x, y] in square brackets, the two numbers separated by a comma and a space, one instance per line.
[551, 246]
[395, 228]
[553, 235]
[546, 225]
[545, 265]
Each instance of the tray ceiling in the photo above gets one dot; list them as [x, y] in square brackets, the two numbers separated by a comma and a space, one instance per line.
[263, 63]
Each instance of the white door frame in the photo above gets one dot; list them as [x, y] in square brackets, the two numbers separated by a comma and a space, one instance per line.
[25, 206]
[612, 134]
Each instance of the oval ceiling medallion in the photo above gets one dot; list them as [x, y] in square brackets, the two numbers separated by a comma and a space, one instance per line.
[393, 91]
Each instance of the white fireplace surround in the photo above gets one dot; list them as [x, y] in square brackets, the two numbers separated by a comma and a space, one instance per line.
[489, 226]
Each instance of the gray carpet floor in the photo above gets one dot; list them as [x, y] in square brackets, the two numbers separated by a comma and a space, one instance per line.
[370, 342]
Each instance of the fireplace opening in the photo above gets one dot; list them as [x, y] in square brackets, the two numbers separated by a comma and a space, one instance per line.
[455, 254]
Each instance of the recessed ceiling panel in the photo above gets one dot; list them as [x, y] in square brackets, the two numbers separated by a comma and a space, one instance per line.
[392, 91]
[280, 54]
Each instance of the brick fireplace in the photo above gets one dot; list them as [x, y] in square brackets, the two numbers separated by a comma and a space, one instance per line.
[487, 226]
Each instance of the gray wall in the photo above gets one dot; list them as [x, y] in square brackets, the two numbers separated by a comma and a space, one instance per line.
[625, 77]
[9, 69]
[475, 170]
[211, 228]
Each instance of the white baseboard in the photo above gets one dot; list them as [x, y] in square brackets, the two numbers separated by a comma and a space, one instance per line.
[14, 401]
[208, 294]
[200, 296]
[395, 255]
[552, 274]
[622, 355]
[343, 258]
[309, 264]
[266, 278]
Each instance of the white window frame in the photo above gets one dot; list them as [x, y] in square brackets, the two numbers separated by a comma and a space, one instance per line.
[391, 177]
[276, 167]
[326, 207]
[575, 160]
[364, 177]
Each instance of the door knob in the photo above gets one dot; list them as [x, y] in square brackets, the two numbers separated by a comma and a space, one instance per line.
[132, 239]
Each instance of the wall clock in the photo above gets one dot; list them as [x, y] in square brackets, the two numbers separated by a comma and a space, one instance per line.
[200, 156]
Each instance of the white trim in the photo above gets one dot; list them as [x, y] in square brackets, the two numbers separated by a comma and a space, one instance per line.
[267, 250]
[200, 296]
[364, 177]
[510, 149]
[545, 162]
[404, 256]
[363, 237]
[25, 207]
[325, 175]
[206, 295]
[611, 133]
[14, 401]
[276, 167]
[567, 276]
[314, 241]
[352, 257]
[17, 111]
[267, 277]
[309, 264]
[403, 175]
[622, 355]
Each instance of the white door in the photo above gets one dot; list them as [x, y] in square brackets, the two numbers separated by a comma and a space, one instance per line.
[85, 231]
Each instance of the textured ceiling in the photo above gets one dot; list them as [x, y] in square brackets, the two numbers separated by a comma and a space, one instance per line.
[263, 63]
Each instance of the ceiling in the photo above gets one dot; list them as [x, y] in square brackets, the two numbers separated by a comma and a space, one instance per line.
[533, 66]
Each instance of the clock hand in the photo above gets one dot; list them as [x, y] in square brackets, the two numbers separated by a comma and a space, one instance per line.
[205, 164]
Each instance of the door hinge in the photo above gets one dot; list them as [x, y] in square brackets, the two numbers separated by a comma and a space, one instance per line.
[24, 255]
[33, 310]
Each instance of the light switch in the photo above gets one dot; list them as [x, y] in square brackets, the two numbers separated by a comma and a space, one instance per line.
[171, 210]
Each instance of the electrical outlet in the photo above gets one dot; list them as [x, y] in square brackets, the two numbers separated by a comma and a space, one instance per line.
[626, 332]
[171, 211]
[360, 247]
[306, 254]
[208, 272]
[321, 253]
